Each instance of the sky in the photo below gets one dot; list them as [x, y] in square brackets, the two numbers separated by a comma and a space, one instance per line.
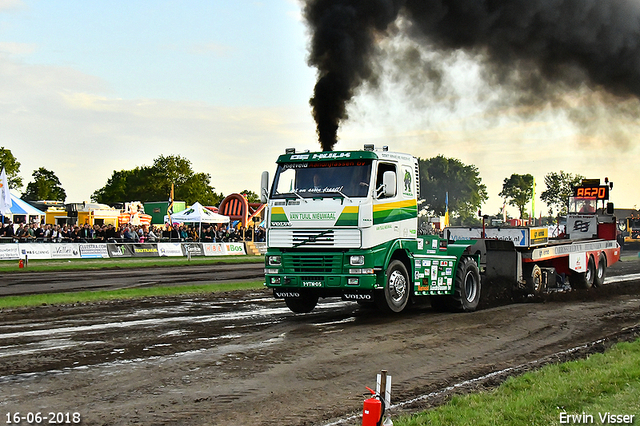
[88, 87]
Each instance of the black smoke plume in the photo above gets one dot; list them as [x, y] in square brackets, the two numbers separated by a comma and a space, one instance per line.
[538, 47]
[342, 43]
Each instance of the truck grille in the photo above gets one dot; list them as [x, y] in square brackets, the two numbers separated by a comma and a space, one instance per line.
[312, 263]
[305, 238]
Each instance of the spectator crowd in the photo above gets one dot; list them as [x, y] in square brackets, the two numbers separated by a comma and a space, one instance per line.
[35, 232]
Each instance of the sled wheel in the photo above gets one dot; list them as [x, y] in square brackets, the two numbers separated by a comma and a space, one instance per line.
[584, 280]
[535, 283]
[601, 270]
[395, 294]
[302, 305]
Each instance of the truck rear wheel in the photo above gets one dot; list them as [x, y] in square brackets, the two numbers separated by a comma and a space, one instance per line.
[302, 305]
[395, 294]
[601, 270]
[584, 280]
[466, 295]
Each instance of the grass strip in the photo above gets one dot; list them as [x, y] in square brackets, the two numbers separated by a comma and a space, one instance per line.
[128, 293]
[582, 391]
[625, 256]
[48, 265]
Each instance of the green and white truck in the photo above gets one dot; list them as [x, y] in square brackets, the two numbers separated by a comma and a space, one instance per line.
[345, 224]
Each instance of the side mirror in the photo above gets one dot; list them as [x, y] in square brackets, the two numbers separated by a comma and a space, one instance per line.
[264, 187]
[389, 183]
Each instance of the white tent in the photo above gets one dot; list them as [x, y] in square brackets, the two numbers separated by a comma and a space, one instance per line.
[22, 208]
[197, 214]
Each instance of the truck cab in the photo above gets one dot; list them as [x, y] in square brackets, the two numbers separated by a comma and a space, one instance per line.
[345, 224]
[330, 215]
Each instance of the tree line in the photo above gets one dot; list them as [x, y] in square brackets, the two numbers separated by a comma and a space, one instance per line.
[445, 184]
[143, 183]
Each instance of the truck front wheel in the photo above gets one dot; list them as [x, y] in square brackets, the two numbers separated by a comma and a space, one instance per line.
[302, 305]
[395, 295]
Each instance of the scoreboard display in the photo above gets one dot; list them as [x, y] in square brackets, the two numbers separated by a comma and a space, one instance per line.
[600, 192]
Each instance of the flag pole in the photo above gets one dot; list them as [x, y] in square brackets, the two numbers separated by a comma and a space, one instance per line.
[170, 212]
[533, 202]
[5, 195]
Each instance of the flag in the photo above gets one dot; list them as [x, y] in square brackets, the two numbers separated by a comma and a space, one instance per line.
[504, 211]
[446, 212]
[5, 195]
[170, 205]
[533, 202]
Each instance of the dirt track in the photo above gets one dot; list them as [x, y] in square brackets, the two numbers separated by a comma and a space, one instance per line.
[244, 359]
[27, 282]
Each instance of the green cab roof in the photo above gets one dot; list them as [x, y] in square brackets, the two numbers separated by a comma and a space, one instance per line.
[326, 156]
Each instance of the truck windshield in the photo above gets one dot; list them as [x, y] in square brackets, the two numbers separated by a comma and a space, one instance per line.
[582, 205]
[349, 178]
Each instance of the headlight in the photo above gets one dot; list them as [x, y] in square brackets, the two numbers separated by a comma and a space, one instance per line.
[274, 260]
[356, 260]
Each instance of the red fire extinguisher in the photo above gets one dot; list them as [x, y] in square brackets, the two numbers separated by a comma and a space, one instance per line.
[373, 410]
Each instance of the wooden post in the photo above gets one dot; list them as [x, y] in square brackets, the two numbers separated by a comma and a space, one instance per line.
[383, 384]
[384, 389]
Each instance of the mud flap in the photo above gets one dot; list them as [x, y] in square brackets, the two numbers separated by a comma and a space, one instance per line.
[578, 262]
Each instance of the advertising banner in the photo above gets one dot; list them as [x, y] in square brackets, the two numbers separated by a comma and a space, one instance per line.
[90, 250]
[194, 249]
[170, 249]
[234, 248]
[65, 251]
[145, 250]
[115, 250]
[35, 250]
[582, 226]
[213, 249]
[538, 236]
[119, 250]
[518, 236]
[463, 234]
[9, 251]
